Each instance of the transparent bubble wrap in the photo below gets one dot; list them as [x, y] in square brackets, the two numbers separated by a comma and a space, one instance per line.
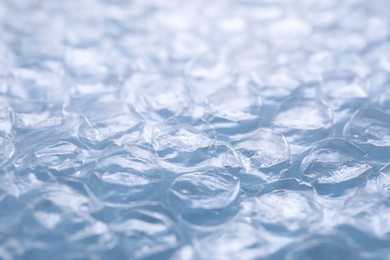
[227, 129]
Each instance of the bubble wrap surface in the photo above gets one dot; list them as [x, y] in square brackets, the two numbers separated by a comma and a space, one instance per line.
[226, 129]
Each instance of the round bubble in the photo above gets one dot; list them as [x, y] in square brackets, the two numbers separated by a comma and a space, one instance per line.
[335, 165]
[205, 199]
[183, 145]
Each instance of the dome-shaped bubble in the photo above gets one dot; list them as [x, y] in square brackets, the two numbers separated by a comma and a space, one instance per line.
[287, 207]
[321, 247]
[117, 125]
[141, 231]
[156, 97]
[244, 241]
[263, 155]
[125, 174]
[303, 121]
[233, 111]
[335, 165]
[182, 145]
[205, 199]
